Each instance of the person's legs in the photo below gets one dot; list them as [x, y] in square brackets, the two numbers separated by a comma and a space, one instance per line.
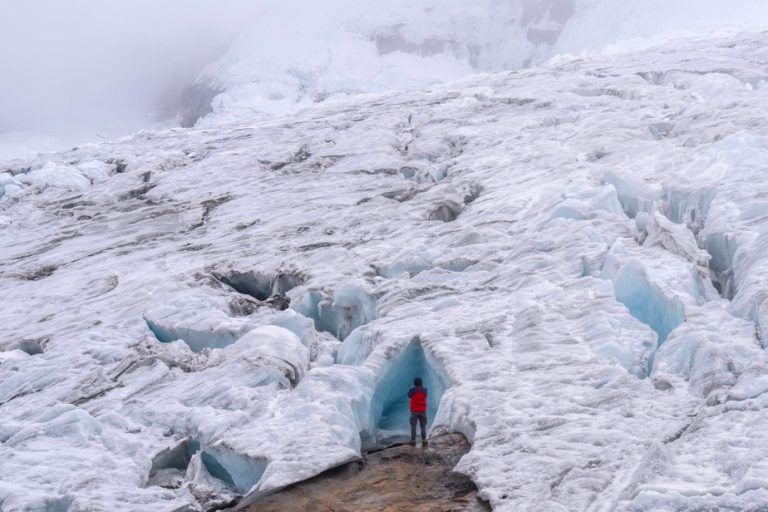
[423, 424]
[413, 427]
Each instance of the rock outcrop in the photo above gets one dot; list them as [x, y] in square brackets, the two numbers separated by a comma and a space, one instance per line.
[397, 479]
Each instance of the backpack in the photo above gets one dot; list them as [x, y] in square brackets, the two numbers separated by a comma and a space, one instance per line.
[419, 400]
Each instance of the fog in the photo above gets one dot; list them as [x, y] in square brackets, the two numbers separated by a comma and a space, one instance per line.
[117, 65]
[80, 64]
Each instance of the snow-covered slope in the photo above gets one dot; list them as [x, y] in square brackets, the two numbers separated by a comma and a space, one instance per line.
[304, 52]
[573, 258]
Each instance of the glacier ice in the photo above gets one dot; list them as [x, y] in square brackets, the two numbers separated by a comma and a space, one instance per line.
[239, 471]
[722, 250]
[273, 342]
[30, 347]
[446, 212]
[634, 195]
[348, 307]
[645, 301]
[205, 331]
[389, 406]
[261, 285]
[256, 284]
[170, 465]
[9, 184]
[518, 313]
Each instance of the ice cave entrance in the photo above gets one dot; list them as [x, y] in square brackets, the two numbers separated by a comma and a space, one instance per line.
[390, 407]
[237, 471]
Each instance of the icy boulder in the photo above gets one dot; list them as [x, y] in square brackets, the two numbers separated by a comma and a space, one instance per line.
[710, 351]
[304, 328]
[614, 335]
[635, 195]
[96, 171]
[581, 200]
[358, 346]
[199, 329]
[8, 184]
[411, 260]
[675, 238]
[67, 177]
[274, 345]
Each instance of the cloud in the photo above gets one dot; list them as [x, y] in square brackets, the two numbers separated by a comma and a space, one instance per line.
[81, 63]
[95, 64]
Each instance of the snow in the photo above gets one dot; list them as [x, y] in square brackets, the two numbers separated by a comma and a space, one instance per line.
[348, 48]
[572, 257]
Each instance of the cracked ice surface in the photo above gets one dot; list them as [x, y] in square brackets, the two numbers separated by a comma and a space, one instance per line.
[594, 309]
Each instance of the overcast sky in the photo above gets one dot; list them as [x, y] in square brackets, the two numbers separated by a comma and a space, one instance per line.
[80, 63]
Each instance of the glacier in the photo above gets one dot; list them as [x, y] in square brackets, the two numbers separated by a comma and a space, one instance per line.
[572, 256]
[342, 48]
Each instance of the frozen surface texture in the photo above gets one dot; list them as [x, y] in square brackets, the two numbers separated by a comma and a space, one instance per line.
[574, 258]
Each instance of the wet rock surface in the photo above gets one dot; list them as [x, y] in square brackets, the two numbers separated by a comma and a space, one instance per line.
[397, 479]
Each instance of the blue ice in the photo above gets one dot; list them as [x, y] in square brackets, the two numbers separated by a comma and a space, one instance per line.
[647, 303]
[390, 406]
[350, 307]
[196, 340]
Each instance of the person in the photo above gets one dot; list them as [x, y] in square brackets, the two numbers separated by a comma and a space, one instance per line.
[418, 403]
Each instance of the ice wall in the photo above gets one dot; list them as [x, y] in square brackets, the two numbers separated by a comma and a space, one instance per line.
[390, 410]
[339, 313]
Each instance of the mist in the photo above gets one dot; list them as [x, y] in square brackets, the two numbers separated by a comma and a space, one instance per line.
[114, 64]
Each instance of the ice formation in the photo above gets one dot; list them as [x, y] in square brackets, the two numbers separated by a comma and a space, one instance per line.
[348, 47]
[389, 407]
[572, 257]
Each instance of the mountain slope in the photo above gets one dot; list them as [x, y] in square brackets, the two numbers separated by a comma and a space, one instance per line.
[302, 53]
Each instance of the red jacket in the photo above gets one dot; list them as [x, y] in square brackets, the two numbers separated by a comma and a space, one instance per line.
[418, 396]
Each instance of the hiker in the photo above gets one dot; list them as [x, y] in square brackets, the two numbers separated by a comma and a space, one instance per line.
[418, 396]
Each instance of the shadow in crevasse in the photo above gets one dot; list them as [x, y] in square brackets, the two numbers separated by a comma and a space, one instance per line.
[236, 471]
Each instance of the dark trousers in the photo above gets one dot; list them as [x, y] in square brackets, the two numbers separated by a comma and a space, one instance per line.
[421, 417]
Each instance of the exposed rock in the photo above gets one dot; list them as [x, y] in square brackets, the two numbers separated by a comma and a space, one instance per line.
[398, 479]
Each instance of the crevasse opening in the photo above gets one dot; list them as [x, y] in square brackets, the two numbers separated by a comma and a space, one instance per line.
[261, 285]
[350, 307]
[648, 304]
[237, 471]
[722, 248]
[689, 208]
[390, 406]
[196, 340]
[32, 347]
[170, 465]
